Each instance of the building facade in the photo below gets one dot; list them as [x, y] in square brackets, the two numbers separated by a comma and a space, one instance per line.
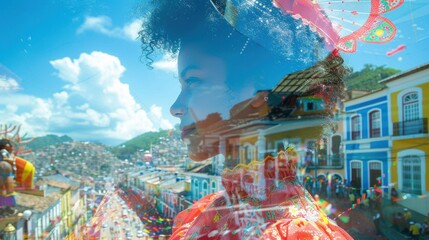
[367, 142]
[408, 95]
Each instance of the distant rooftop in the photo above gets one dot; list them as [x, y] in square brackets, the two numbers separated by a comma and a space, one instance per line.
[404, 74]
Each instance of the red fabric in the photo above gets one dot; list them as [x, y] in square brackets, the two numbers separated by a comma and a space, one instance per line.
[272, 206]
[24, 172]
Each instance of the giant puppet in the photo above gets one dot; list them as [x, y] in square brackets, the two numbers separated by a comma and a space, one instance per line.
[16, 173]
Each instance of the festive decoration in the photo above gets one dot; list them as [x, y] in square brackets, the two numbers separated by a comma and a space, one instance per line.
[396, 50]
[262, 200]
[340, 23]
[13, 169]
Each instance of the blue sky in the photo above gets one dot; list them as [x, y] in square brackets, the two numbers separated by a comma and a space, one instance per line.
[73, 67]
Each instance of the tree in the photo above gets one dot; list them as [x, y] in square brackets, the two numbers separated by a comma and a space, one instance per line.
[368, 78]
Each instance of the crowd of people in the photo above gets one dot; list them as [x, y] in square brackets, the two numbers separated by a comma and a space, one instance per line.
[408, 225]
[330, 187]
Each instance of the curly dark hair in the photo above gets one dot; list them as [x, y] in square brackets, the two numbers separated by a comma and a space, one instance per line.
[167, 23]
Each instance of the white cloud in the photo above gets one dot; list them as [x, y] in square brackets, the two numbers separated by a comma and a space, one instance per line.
[167, 63]
[61, 98]
[70, 72]
[99, 24]
[132, 29]
[8, 83]
[156, 113]
[94, 103]
[97, 119]
[103, 25]
[30, 112]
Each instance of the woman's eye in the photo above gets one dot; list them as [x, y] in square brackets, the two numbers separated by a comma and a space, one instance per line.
[193, 82]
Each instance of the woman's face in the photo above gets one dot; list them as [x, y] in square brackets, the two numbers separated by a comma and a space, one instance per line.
[205, 100]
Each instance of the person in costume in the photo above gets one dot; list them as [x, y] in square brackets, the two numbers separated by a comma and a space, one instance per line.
[14, 171]
[231, 54]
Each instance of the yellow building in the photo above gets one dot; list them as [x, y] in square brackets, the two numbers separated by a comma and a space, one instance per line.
[72, 206]
[319, 149]
[409, 112]
[291, 113]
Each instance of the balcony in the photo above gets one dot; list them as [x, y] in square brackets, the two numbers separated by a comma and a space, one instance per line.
[328, 161]
[416, 126]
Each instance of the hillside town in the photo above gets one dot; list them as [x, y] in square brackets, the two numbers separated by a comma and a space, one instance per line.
[370, 156]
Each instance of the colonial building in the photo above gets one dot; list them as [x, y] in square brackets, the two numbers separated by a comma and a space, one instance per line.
[367, 137]
[408, 96]
[204, 184]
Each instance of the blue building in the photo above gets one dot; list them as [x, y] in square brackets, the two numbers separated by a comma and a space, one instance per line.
[367, 144]
[204, 184]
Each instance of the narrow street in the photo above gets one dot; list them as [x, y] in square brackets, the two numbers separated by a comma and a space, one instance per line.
[115, 220]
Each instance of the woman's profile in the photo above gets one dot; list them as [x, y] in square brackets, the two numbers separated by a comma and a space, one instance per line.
[226, 76]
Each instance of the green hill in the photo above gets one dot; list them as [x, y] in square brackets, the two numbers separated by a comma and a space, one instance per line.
[141, 142]
[368, 78]
[42, 142]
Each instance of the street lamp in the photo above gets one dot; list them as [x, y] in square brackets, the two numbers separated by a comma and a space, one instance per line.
[27, 215]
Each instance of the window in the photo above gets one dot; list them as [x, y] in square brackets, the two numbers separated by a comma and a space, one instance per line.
[411, 113]
[205, 188]
[411, 174]
[336, 150]
[356, 174]
[375, 173]
[247, 153]
[196, 189]
[310, 150]
[374, 124]
[356, 127]
[213, 190]
[322, 152]
[410, 106]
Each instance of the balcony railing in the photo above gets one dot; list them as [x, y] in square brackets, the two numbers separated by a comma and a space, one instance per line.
[328, 161]
[409, 127]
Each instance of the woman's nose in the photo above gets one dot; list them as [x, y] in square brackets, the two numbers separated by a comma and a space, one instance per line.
[178, 109]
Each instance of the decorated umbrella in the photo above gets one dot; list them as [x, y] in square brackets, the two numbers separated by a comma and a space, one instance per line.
[340, 23]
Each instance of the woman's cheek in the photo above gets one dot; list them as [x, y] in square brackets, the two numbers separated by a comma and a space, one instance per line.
[202, 105]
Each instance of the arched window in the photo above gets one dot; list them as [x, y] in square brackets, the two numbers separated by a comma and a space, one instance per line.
[213, 190]
[375, 124]
[196, 190]
[205, 190]
[411, 113]
[410, 106]
[356, 127]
